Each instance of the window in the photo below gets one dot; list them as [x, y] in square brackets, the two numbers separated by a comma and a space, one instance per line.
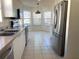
[36, 19]
[27, 14]
[27, 17]
[47, 17]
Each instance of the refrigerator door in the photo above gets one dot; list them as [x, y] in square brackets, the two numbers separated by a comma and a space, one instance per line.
[60, 27]
[57, 18]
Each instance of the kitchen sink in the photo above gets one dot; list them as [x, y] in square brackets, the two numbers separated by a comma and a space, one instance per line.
[11, 30]
[7, 34]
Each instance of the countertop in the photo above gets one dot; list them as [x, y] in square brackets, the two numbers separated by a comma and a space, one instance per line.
[6, 41]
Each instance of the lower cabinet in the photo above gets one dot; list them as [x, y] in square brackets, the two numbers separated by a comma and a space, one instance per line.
[7, 54]
[19, 45]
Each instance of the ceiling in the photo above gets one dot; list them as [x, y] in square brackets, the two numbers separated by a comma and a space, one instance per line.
[44, 4]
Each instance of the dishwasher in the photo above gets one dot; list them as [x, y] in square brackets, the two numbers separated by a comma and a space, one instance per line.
[26, 35]
[8, 54]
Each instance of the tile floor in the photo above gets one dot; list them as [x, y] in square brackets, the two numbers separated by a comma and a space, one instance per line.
[38, 46]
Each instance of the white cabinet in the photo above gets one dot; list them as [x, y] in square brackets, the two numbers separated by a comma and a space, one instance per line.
[19, 45]
[0, 11]
[8, 8]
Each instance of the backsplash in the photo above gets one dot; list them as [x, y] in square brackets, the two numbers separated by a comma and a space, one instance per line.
[4, 23]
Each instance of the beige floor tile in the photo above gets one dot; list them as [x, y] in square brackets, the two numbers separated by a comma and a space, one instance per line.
[38, 55]
[38, 46]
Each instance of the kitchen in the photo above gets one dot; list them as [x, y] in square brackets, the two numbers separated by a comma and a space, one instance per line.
[12, 31]
[13, 38]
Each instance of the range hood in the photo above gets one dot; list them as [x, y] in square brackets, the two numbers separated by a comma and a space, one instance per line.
[17, 15]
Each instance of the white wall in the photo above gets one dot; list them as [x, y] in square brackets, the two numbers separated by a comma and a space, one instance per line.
[73, 32]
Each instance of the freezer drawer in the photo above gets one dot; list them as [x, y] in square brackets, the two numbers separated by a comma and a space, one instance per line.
[58, 44]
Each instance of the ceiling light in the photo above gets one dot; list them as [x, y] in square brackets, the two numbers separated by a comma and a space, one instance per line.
[39, 0]
[37, 12]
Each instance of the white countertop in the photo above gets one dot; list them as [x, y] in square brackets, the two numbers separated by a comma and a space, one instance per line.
[5, 41]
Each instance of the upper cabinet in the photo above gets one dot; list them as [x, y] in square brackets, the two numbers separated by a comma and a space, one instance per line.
[8, 9]
[0, 11]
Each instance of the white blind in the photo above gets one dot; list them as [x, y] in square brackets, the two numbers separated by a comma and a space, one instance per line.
[36, 19]
[47, 17]
[27, 14]
[27, 17]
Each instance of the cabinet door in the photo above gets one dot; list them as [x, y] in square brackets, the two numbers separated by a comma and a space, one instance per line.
[8, 8]
[19, 45]
[1, 11]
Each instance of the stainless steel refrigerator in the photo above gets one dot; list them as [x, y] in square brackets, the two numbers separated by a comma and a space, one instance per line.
[60, 17]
